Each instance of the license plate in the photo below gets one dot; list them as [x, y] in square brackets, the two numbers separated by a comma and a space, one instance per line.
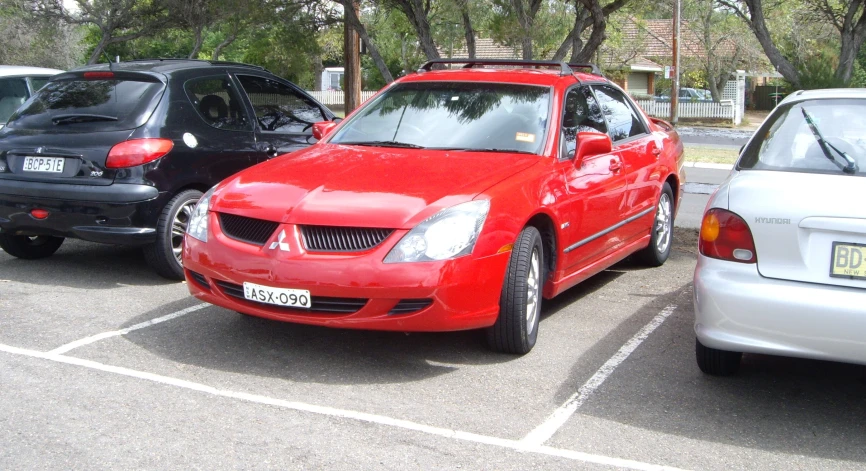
[44, 164]
[277, 296]
[849, 261]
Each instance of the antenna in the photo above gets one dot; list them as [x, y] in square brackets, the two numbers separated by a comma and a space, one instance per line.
[108, 58]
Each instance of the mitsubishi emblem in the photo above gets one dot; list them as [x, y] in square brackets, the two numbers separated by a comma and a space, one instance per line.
[280, 242]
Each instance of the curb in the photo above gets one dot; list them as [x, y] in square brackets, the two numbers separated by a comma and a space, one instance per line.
[709, 165]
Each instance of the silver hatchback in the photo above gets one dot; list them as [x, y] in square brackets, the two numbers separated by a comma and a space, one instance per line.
[782, 263]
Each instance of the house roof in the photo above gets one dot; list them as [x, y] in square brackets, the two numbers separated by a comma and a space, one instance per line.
[654, 39]
[485, 48]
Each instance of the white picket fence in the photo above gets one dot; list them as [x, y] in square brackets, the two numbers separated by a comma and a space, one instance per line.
[723, 110]
[335, 97]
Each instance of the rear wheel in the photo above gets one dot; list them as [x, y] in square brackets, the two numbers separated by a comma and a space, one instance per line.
[659, 249]
[516, 329]
[30, 247]
[164, 255]
[716, 362]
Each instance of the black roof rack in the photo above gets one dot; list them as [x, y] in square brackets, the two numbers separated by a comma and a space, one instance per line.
[184, 59]
[564, 69]
[594, 68]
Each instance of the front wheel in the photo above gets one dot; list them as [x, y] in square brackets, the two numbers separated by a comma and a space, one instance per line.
[30, 247]
[164, 255]
[516, 328]
[659, 249]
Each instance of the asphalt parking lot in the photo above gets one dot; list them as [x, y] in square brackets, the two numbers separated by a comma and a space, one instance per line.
[104, 365]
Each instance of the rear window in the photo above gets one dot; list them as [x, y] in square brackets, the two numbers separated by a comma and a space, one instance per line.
[89, 105]
[788, 142]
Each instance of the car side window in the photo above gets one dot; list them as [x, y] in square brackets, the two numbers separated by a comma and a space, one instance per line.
[13, 93]
[623, 120]
[581, 113]
[280, 108]
[218, 103]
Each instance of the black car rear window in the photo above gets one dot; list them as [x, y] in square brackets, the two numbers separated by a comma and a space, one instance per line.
[90, 105]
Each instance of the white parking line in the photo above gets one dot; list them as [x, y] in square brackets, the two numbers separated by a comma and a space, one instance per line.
[560, 416]
[95, 338]
[332, 412]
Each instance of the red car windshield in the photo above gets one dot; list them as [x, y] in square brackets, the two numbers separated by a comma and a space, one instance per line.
[466, 116]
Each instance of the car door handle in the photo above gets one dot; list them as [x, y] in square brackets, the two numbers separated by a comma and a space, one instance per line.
[615, 165]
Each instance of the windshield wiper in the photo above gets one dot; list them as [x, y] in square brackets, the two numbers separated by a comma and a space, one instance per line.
[825, 146]
[81, 118]
[405, 145]
[483, 149]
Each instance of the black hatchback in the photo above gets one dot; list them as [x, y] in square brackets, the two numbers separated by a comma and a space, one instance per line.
[121, 153]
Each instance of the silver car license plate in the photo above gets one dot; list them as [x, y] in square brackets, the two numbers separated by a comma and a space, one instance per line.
[44, 164]
[299, 298]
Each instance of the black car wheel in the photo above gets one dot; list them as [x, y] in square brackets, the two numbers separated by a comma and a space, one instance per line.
[716, 362]
[516, 329]
[164, 255]
[30, 247]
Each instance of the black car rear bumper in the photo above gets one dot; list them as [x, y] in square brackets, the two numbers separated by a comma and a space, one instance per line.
[109, 214]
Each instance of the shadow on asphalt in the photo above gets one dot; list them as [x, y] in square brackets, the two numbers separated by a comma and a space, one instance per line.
[84, 265]
[788, 405]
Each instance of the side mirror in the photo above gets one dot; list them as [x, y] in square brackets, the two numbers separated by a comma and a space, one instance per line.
[321, 129]
[590, 144]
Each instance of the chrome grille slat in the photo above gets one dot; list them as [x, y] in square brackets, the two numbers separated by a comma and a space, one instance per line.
[342, 239]
[249, 230]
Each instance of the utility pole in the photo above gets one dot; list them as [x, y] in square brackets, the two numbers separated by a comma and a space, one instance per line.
[675, 82]
[352, 55]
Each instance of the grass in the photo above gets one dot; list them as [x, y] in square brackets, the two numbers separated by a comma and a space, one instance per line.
[710, 155]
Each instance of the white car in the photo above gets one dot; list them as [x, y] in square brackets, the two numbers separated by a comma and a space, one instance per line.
[782, 263]
[17, 84]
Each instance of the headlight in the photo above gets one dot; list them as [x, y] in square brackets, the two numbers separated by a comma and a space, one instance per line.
[449, 233]
[197, 226]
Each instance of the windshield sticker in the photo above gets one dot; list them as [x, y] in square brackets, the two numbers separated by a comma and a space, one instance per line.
[524, 137]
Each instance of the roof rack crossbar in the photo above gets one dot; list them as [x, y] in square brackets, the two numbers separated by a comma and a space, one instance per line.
[595, 69]
[564, 69]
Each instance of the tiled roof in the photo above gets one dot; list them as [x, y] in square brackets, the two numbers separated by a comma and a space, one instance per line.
[655, 38]
[485, 48]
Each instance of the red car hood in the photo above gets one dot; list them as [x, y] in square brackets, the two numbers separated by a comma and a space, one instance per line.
[335, 185]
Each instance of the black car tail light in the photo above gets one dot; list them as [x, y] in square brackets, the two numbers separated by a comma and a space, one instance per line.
[137, 152]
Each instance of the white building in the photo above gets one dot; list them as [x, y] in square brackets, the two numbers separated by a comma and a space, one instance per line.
[332, 78]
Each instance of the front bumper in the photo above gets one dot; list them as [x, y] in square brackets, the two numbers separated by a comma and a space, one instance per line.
[462, 293]
[109, 214]
[736, 309]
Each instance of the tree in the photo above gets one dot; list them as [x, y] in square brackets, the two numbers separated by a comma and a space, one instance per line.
[417, 12]
[846, 16]
[37, 41]
[588, 13]
[116, 20]
[355, 22]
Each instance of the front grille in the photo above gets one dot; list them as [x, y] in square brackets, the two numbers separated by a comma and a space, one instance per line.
[200, 279]
[342, 239]
[317, 303]
[244, 229]
[407, 306]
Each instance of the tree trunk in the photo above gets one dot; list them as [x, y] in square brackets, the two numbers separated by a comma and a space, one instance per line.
[847, 57]
[356, 24]
[599, 27]
[318, 69]
[219, 49]
[199, 39]
[100, 47]
[468, 32]
[758, 25]
[417, 16]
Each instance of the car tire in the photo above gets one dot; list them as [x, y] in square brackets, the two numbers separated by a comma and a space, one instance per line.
[662, 231]
[516, 328]
[164, 254]
[30, 247]
[716, 362]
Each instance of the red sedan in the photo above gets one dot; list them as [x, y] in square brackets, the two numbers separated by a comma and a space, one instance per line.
[454, 199]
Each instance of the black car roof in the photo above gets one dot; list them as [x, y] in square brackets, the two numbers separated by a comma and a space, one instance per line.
[164, 66]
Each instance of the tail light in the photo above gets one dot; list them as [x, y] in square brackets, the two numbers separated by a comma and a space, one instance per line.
[137, 152]
[726, 236]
